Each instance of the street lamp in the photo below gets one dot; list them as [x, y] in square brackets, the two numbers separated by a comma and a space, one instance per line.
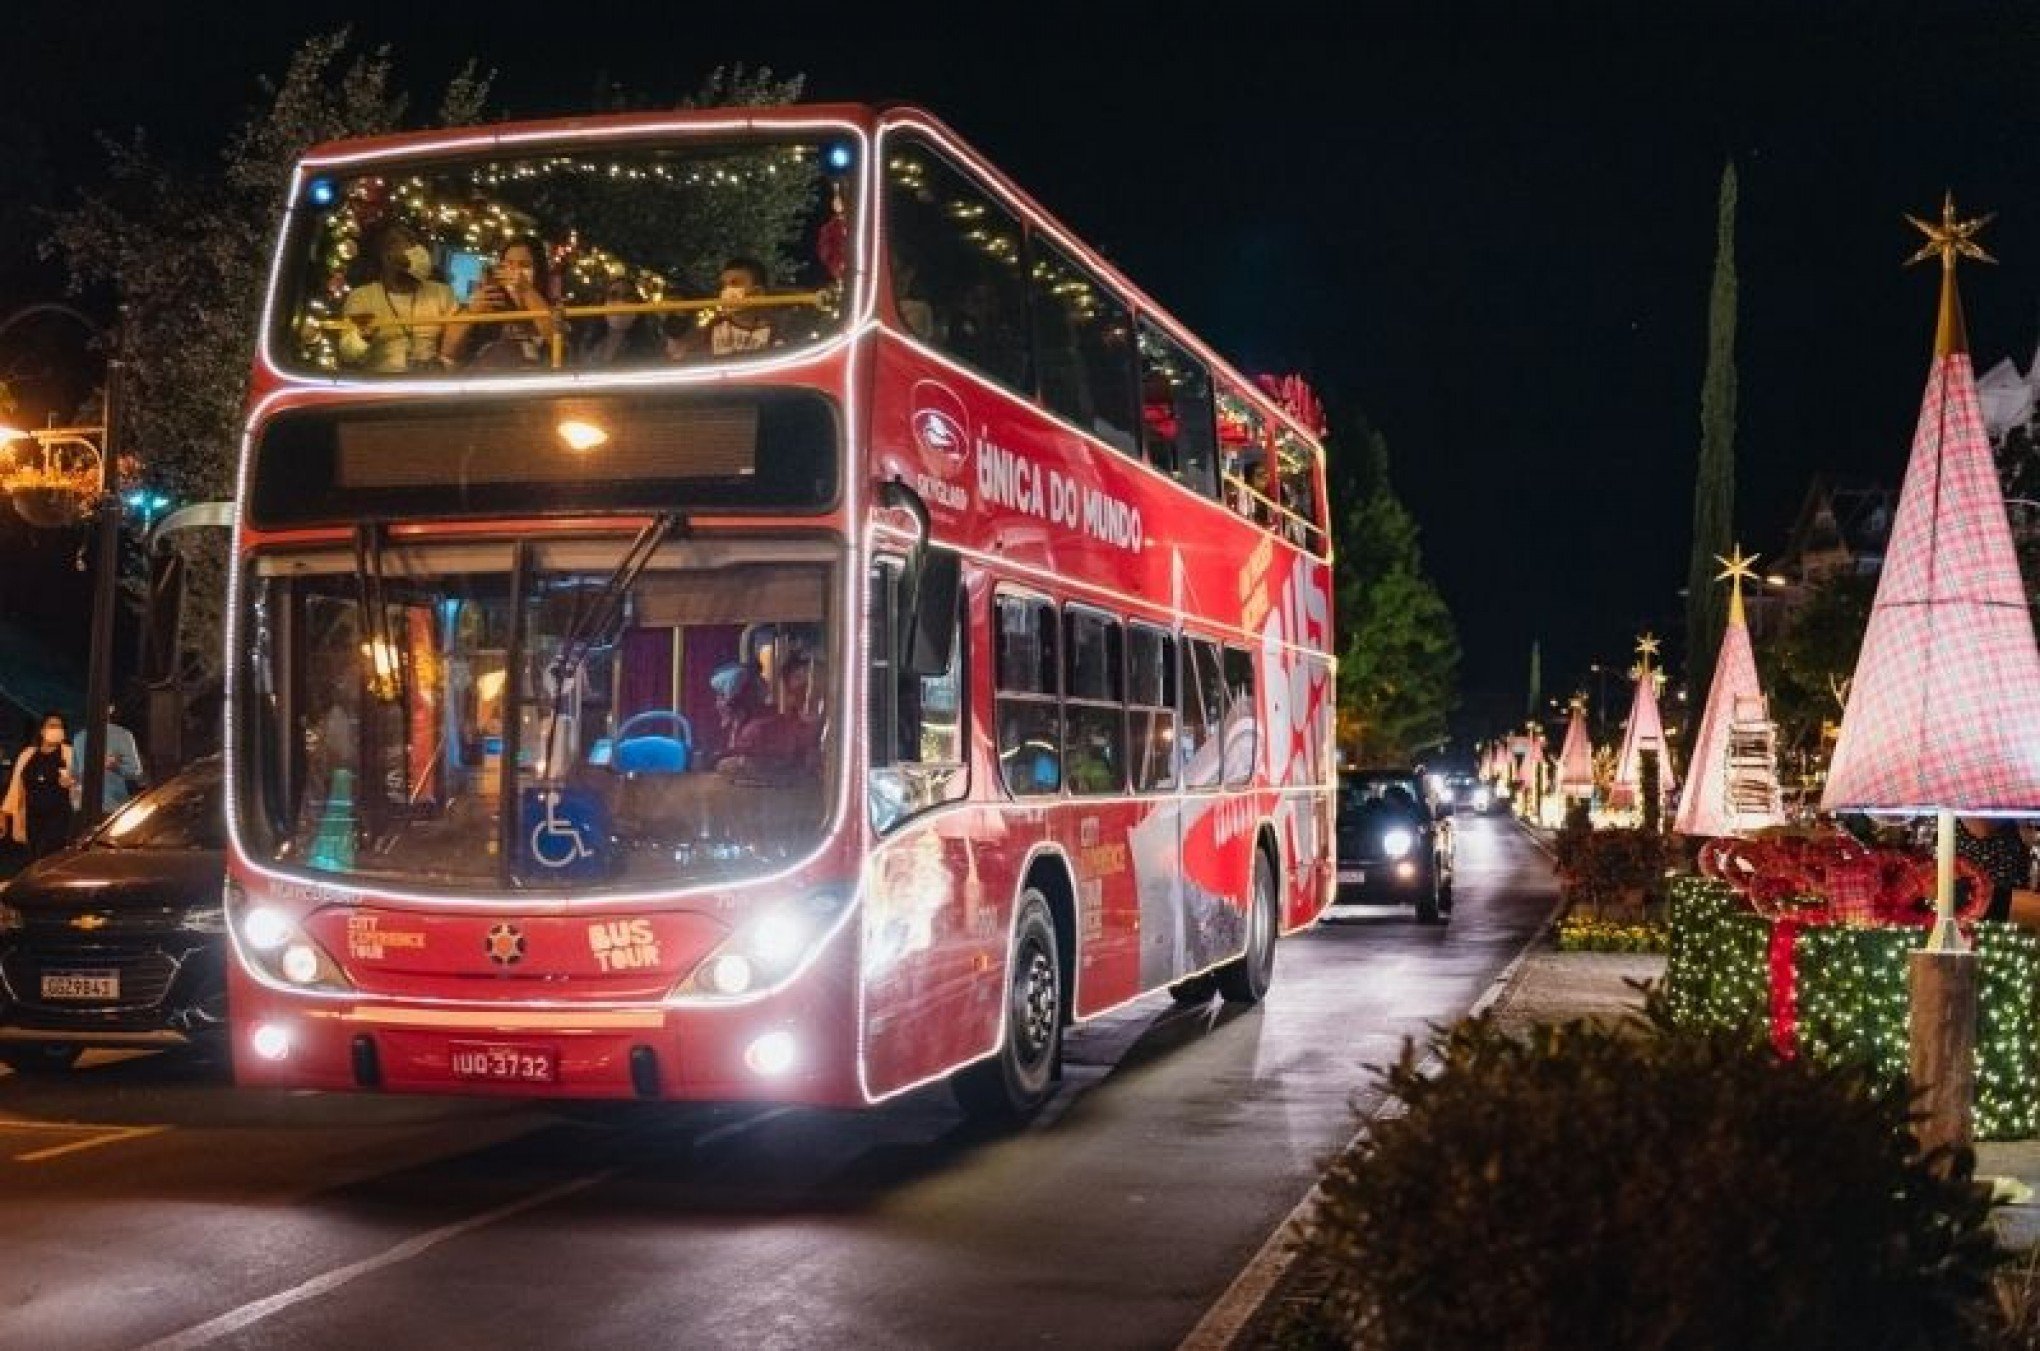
[73, 463]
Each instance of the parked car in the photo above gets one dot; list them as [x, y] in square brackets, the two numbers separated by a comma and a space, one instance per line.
[1394, 844]
[120, 939]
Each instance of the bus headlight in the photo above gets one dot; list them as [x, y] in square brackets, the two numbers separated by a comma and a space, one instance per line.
[1397, 842]
[273, 946]
[767, 948]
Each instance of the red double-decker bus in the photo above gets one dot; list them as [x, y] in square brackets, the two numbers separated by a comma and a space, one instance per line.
[747, 606]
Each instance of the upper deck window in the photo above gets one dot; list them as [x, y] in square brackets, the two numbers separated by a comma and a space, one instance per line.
[956, 272]
[1178, 431]
[1083, 341]
[607, 256]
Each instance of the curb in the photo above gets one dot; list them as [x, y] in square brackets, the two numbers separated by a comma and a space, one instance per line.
[1245, 1303]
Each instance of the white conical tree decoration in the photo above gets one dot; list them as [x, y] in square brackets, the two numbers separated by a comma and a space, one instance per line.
[1645, 731]
[1576, 756]
[1724, 798]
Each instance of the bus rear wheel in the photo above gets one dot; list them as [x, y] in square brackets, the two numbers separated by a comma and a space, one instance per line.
[1014, 1083]
[1245, 979]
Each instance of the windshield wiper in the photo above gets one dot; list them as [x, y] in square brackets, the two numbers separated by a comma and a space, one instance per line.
[593, 620]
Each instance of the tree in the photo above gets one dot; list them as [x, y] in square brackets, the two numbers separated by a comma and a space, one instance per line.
[1714, 487]
[1806, 668]
[1398, 651]
[186, 248]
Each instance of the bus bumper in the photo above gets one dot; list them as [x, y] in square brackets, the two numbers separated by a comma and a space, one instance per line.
[794, 1046]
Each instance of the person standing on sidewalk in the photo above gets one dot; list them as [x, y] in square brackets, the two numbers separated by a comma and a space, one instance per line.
[38, 801]
[123, 765]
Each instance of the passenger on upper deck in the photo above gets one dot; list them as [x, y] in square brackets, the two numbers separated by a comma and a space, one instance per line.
[397, 319]
[517, 282]
[725, 332]
[615, 339]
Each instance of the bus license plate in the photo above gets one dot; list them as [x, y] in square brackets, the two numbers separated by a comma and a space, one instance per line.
[500, 1062]
[1352, 877]
[81, 985]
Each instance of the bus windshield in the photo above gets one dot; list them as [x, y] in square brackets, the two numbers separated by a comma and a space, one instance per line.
[655, 713]
[623, 255]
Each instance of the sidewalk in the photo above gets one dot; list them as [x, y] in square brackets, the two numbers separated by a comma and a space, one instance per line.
[1547, 985]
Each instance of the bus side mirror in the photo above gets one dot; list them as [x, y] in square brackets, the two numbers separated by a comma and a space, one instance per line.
[929, 637]
[163, 622]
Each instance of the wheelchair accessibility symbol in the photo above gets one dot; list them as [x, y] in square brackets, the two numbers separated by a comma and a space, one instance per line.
[564, 834]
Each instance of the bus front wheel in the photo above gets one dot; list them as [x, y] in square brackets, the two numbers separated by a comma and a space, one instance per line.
[1014, 1083]
[1245, 979]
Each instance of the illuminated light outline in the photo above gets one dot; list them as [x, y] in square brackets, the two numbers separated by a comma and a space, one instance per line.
[856, 318]
[1149, 473]
[1133, 604]
[1018, 200]
[862, 311]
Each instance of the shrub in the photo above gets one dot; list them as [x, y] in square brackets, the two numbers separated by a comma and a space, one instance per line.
[1579, 933]
[1610, 870]
[1591, 1187]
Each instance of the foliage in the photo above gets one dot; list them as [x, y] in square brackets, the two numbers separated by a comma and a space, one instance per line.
[1806, 668]
[1398, 651]
[1588, 933]
[1849, 995]
[1587, 1186]
[1714, 485]
[185, 248]
[1610, 870]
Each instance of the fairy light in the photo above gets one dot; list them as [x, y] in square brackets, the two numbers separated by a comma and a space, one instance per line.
[1853, 995]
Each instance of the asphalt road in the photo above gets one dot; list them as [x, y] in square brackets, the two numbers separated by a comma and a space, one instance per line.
[143, 1201]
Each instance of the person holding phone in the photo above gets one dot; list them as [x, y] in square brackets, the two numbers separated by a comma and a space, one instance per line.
[396, 323]
[517, 282]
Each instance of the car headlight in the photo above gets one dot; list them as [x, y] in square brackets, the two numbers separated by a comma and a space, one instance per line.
[1398, 842]
[11, 919]
[766, 948]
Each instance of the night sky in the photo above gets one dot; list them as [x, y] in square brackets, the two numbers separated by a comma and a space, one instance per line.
[1490, 232]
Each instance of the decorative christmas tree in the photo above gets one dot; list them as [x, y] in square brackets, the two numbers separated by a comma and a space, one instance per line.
[1576, 756]
[1944, 711]
[1734, 788]
[1644, 731]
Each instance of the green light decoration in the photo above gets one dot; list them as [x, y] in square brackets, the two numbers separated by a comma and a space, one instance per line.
[1849, 988]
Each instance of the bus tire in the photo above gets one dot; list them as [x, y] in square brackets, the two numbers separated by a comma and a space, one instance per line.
[1245, 979]
[1013, 1084]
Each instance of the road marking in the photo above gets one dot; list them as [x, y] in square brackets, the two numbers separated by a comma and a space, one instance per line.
[1228, 1319]
[233, 1320]
[99, 1135]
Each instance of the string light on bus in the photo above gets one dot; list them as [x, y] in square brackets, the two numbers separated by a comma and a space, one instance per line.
[581, 435]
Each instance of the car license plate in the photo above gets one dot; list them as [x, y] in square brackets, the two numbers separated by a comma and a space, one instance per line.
[504, 1063]
[1352, 877]
[81, 985]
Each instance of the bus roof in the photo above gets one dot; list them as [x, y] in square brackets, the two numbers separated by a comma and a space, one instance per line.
[867, 118]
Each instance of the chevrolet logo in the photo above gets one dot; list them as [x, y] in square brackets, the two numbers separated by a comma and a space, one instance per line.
[89, 922]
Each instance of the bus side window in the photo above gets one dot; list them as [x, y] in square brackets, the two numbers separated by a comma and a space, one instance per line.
[955, 257]
[1296, 478]
[1094, 717]
[1242, 726]
[1029, 708]
[1083, 347]
[1203, 714]
[1243, 440]
[1179, 428]
[918, 756]
[1151, 706]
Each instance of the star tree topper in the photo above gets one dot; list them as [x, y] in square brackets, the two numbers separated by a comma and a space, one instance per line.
[1738, 568]
[1950, 239]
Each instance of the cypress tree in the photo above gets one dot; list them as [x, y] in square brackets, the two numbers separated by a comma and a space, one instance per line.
[1714, 487]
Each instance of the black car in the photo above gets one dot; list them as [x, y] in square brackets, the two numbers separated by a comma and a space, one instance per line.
[120, 939]
[1395, 846]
